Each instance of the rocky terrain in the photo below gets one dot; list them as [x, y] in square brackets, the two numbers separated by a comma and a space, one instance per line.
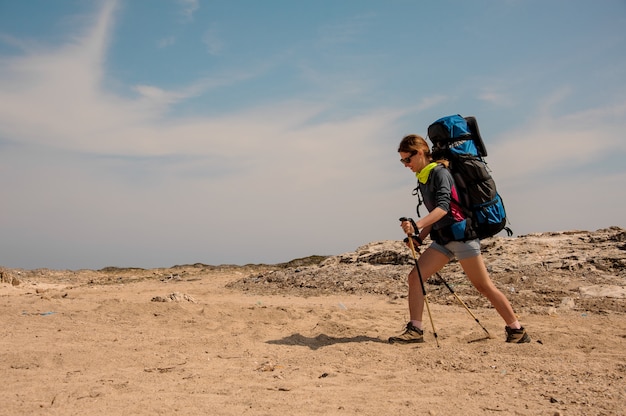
[580, 270]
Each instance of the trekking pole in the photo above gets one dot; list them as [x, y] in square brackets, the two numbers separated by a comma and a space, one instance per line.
[463, 303]
[419, 275]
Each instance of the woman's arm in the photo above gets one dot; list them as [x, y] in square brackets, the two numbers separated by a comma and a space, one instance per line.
[425, 224]
[432, 217]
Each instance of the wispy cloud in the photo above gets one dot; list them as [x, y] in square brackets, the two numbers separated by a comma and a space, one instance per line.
[212, 41]
[17, 43]
[56, 97]
[345, 31]
[165, 42]
[496, 98]
[550, 141]
[189, 7]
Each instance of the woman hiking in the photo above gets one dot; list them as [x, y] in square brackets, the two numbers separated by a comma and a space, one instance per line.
[437, 188]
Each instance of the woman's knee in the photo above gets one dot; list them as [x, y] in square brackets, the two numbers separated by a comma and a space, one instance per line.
[485, 289]
[490, 291]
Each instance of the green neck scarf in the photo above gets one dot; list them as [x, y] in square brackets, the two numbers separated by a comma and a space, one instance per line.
[422, 175]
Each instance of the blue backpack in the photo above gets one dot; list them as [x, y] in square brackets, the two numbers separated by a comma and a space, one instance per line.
[457, 139]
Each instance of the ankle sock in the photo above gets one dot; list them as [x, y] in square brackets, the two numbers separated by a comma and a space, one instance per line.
[417, 324]
[515, 325]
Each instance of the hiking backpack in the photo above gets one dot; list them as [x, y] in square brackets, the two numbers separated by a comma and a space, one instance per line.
[457, 139]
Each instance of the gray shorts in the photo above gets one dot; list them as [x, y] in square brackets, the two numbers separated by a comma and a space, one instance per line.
[460, 249]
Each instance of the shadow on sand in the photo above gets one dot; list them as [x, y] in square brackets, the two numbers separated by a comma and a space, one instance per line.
[322, 340]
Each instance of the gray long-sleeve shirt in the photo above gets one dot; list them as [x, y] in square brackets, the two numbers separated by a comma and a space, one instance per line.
[438, 192]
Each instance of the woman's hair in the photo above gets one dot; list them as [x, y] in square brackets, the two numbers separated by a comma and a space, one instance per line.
[412, 143]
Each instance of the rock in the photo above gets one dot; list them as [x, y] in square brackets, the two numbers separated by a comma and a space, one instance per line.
[174, 297]
[567, 303]
[609, 291]
[9, 277]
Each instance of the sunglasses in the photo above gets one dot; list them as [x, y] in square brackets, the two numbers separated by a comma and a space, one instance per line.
[407, 160]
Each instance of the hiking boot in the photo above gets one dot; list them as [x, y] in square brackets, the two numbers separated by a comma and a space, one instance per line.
[411, 335]
[516, 336]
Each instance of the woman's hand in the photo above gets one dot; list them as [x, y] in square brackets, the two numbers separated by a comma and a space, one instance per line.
[407, 227]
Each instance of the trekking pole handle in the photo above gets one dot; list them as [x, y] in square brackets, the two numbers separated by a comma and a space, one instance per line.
[415, 230]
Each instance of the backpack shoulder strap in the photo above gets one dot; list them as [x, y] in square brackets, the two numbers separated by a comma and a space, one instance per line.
[418, 193]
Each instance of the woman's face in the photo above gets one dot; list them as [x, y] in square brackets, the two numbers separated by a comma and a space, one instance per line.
[412, 161]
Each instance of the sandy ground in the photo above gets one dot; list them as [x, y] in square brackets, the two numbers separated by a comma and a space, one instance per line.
[77, 343]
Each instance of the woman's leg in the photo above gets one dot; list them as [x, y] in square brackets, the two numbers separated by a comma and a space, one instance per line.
[430, 262]
[476, 271]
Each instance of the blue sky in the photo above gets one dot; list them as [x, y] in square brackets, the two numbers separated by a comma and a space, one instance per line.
[156, 133]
